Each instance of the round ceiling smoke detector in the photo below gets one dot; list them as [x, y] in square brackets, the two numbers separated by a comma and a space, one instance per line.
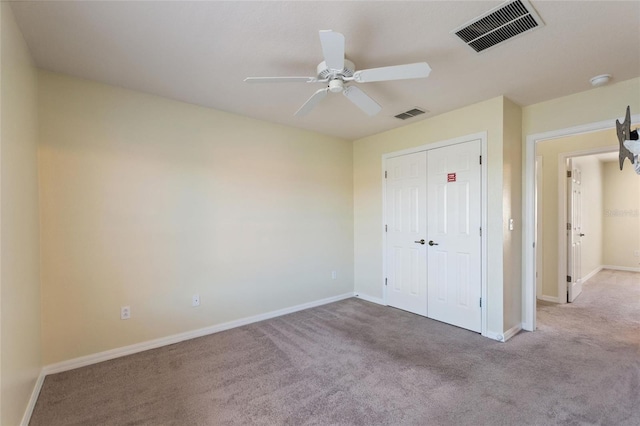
[600, 80]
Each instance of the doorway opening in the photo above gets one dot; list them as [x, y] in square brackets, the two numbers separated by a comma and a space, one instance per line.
[587, 140]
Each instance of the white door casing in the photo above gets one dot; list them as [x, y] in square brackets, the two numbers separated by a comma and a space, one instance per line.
[454, 219]
[538, 203]
[574, 234]
[406, 213]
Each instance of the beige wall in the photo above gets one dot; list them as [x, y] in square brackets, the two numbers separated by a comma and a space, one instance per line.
[621, 216]
[551, 150]
[367, 168]
[19, 229]
[146, 201]
[591, 106]
[591, 189]
[512, 209]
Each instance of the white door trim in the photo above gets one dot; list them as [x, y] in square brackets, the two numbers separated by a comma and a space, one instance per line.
[528, 251]
[539, 268]
[482, 136]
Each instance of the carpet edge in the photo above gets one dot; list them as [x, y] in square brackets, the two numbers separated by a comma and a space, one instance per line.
[83, 361]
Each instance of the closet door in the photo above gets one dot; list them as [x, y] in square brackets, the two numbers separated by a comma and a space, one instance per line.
[454, 239]
[406, 213]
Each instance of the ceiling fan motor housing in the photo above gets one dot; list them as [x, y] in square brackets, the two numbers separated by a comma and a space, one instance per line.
[327, 73]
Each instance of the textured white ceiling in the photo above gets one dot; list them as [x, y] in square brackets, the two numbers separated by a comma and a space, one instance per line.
[199, 52]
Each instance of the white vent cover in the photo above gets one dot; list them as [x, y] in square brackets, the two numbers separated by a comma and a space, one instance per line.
[502, 23]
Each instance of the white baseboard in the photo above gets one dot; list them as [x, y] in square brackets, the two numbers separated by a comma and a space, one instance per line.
[512, 332]
[494, 336]
[551, 299]
[503, 337]
[591, 274]
[621, 268]
[371, 299]
[169, 340]
[33, 399]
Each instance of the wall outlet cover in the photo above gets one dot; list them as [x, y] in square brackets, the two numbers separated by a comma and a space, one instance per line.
[125, 312]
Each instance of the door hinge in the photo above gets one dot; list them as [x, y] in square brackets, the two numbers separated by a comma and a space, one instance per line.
[568, 173]
[481, 159]
[385, 174]
[481, 302]
[385, 281]
[481, 231]
[568, 227]
[385, 228]
[568, 278]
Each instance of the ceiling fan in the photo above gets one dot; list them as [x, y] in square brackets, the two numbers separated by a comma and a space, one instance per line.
[335, 71]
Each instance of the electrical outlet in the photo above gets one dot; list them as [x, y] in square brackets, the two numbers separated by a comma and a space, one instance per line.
[125, 312]
[636, 253]
[195, 300]
[334, 275]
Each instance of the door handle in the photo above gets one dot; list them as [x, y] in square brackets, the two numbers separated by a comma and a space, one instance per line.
[431, 243]
[419, 242]
[582, 235]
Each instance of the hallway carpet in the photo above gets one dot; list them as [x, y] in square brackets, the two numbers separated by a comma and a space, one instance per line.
[357, 363]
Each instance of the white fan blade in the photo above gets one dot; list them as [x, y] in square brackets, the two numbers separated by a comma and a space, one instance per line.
[362, 100]
[281, 79]
[332, 49]
[397, 72]
[312, 102]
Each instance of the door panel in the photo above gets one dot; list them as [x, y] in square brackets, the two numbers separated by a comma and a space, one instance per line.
[454, 220]
[406, 213]
[575, 235]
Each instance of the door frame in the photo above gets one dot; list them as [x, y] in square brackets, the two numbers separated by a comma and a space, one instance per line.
[563, 214]
[538, 211]
[482, 136]
[528, 241]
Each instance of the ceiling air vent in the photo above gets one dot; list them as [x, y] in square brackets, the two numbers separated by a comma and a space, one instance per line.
[410, 113]
[499, 24]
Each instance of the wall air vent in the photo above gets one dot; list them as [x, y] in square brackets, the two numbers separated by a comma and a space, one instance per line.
[500, 24]
[410, 113]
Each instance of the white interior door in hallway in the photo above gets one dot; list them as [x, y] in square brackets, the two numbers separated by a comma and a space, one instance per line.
[574, 233]
[433, 241]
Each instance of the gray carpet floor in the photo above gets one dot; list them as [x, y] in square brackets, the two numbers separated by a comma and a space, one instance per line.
[357, 363]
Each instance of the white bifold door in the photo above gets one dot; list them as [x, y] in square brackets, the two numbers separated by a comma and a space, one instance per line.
[433, 244]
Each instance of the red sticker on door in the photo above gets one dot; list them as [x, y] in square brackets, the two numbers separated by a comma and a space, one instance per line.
[451, 177]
